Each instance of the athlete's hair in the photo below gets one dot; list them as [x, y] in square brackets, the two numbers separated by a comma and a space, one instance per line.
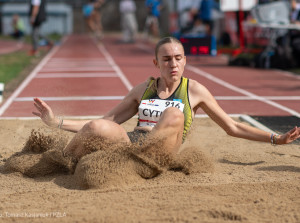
[165, 40]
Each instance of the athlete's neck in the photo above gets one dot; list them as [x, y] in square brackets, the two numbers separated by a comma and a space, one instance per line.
[165, 89]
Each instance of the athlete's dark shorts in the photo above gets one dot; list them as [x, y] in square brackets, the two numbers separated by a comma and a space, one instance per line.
[137, 135]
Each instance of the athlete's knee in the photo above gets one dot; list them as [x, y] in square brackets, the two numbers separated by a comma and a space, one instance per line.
[97, 127]
[173, 117]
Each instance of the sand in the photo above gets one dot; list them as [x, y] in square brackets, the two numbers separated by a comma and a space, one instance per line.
[217, 178]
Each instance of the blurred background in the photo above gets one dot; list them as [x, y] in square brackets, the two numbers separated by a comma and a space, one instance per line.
[256, 33]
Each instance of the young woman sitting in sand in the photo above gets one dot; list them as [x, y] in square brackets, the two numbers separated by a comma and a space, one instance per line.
[165, 106]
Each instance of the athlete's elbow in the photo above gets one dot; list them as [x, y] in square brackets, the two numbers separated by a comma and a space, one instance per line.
[231, 130]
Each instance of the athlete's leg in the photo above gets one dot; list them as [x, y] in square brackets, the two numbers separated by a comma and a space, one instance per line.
[105, 129]
[170, 129]
[147, 27]
[90, 24]
[155, 27]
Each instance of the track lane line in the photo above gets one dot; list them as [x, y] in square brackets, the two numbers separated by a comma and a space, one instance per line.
[100, 116]
[76, 98]
[241, 98]
[74, 75]
[241, 91]
[29, 78]
[67, 69]
[83, 59]
[99, 98]
[255, 123]
[244, 118]
[115, 66]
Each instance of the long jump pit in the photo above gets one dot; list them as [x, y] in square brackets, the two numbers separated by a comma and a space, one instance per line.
[215, 178]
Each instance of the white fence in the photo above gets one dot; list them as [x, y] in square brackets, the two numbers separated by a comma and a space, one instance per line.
[59, 18]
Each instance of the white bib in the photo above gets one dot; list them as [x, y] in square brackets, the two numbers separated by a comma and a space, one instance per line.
[150, 110]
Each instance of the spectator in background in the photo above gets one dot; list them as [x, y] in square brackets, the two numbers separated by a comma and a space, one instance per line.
[295, 34]
[201, 13]
[188, 11]
[92, 15]
[194, 10]
[37, 15]
[152, 20]
[128, 20]
[98, 4]
[88, 9]
[18, 27]
[295, 16]
[205, 14]
[264, 1]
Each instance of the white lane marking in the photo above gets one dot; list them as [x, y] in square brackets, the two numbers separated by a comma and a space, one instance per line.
[206, 116]
[64, 59]
[69, 65]
[288, 74]
[276, 98]
[29, 78]
[49, 65]
[88, 98]
[75, 75]
[255, 123]
[241, 91]
[76, 98]
[58, 69]
[145, 48]
[115, 66]
[95, 117]
[245, 118]
[242, 117]
[72, 62]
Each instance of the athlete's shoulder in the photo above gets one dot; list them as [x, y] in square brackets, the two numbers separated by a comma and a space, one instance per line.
[195, 85]
[138, 90]
[198, 90]
[198, 93]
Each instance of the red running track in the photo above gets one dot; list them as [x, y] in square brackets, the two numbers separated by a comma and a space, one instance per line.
[82, 78]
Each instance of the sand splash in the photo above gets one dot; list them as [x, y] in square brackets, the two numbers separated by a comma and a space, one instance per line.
[41, 155]
[107, 164]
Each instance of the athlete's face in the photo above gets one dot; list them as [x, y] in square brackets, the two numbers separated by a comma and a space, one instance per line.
[171, 61]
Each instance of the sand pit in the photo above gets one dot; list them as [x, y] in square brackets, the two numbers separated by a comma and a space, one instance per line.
[216, 179]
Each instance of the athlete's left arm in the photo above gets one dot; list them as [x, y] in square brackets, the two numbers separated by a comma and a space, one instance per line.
[201, 97]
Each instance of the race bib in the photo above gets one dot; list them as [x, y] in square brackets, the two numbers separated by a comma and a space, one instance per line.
[150, 110]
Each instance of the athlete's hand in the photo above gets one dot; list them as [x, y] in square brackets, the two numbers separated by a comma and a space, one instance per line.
[45, 113]
[290, 136]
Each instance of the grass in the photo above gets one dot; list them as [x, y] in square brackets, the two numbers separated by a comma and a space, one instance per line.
[12, 64]
[55, 37]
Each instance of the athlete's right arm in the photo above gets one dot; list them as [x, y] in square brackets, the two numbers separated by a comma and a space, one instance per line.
[121, 113]
[44, 111]
[128, 107]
